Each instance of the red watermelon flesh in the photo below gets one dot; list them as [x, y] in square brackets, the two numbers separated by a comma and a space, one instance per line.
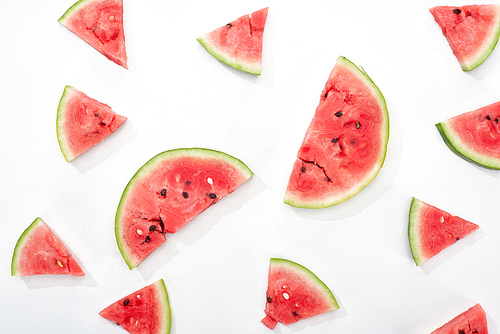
[431, 230]
[40, 252]
[472, 321]
[83, 122]
[144, 311]
[472, 31]
[239, 43]
[100, 24]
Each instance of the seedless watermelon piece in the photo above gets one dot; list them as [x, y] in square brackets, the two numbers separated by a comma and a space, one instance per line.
[100, 24]
[472, 31]
[294, 293]
[168, 192]
[239, 43]
[346, 143]
[144, 311]
[431, 230]
[40, 252]
[83, 122]
[472, 321]
[475, 135]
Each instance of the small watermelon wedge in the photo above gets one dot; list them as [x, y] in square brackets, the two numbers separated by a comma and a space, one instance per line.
[169, 191]
[294, 293]
[345, 145]
[475, 135]
[239, 43]
[40, 252]
[144, 311]
[472, 321]
[431, 230]
[100, 24]
[472, 31]
[83, 122]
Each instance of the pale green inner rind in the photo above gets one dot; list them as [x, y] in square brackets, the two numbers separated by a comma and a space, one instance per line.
[150, 165]
[452, 140]
[167, 312]
[20, 244]
[74, 9]
[61, 116]
[413, 231]
[309, 276]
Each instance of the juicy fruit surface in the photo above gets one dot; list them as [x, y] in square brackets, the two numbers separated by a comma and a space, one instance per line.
[475, 135]
[472, 321]
[100, 24]
[144, 311]
[431, 230]
[239, 43]
[294, 293]
[472, 31]
[40, 252]
[168, 192]
[345, 145]
[83, 122]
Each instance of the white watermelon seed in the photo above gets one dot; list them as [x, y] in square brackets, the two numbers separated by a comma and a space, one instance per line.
[59, 263]
[140, 232]
[297, 305]
[441, 219]
[286, 295]
[210, 181]
[111, 18]
[178, 177]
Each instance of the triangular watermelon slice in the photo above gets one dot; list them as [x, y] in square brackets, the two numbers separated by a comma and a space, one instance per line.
[40, 252]
[472, 321]
[144, 311]
[239, 43]
[294, 293]
[431, 230]
[100, 24]
[83, 122]
[475, 135]
[472, 31]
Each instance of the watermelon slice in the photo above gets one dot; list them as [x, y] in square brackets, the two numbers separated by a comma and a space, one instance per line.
[239, 43]
[475, 135]
[346, 143]
[431, 230]
[40, 252]
[472, 321]
[472, 31]
[168, 192]
[144, 311]
[294, 293]
[83, 122]
[100, 24]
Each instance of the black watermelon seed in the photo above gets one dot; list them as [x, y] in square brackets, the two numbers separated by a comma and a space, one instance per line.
[469, 14]
[496, 120]
[125, 302]
[152, 228]
[148, 239]
[334, 140]
[488, 118]
[102, 123]
[358, 125]
[294, 314]
[188, 183]
[457, 11]
[163, 192]
[461, 332]
[97, 114]
[212, 196]
[326, 94]
[229, 25]
[269, 299]
[185, 194]
[339, 113]
[303, 169]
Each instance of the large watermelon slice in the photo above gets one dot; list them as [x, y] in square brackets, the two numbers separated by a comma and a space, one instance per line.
[100, 24]
[144, 311]
[345, 145]
[472, 31]
[239, 43]
[431, 230]
[40, 252]
[83, 122]
[475, 135]
[168, 192]
[472, 321]
[294, 293]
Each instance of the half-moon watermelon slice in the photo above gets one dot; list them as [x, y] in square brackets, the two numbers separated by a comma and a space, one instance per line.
[294, 293]
[472, 321]
[346, 143]
[475, 135]
[472, 31]
[40, 252]
[144, 311]
[83, 122]
[431, 230]
[239, 43]
[168, 192]
[100, 24]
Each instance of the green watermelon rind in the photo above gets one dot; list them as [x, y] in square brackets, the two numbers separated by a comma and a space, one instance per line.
[61, 113]
[310, 277]
[452, 140]
[413, 231]
[74, 9]
[336, 199]
[167, 311]
[150, 165]
[21, 242]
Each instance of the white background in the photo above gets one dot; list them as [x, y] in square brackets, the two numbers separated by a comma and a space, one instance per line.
[175, 94]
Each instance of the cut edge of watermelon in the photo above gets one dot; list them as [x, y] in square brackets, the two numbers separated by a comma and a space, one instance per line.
[68, 93]
[20, 244]
[151, 164]
[413, 225]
